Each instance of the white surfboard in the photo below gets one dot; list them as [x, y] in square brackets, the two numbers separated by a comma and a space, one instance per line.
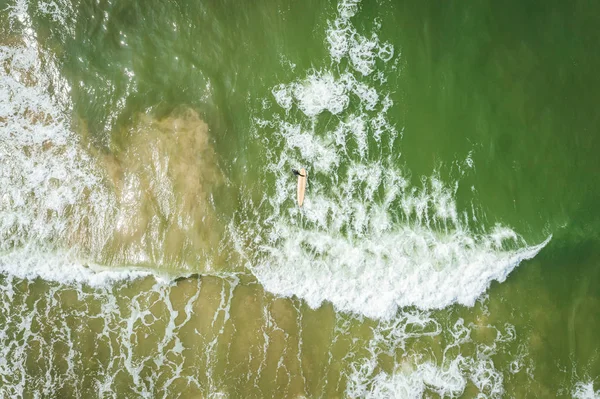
[301, 186]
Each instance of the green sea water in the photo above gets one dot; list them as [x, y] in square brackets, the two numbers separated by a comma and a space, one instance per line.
[151, 245]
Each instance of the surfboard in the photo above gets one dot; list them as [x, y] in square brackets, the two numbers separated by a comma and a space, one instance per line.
[301, 186]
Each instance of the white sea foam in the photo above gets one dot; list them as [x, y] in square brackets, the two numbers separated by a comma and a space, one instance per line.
[412, 382]
[585, 390]
[283, 96]
[376, 275]
[67, 268]
[44, 173]
[418, 374]
[320, 92]
[345, 41]
[120, 321]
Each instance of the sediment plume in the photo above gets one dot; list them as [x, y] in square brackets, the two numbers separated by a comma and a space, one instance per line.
[163, 177]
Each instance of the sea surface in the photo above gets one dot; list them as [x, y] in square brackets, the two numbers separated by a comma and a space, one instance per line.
[150, 241]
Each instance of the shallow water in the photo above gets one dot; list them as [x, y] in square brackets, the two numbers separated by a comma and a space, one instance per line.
[150, 245]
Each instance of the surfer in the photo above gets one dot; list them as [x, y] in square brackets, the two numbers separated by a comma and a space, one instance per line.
[302, 177]
[297, 173]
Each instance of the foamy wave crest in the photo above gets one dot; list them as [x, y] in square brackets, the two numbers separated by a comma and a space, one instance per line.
[366, 239]
[66, 268]
[378, 274]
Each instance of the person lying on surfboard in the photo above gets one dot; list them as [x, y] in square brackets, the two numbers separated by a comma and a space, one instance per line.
[295, 171]
[302, 177]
